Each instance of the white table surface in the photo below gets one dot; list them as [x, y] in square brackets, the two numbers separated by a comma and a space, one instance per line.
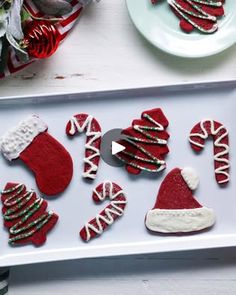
[105, 51]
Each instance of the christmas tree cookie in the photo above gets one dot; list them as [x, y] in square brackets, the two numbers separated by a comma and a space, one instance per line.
[145, 143]
[25, 215]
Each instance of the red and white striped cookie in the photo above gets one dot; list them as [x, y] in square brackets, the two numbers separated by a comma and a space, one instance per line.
[96, 226]
[200, 132]
[86, 123]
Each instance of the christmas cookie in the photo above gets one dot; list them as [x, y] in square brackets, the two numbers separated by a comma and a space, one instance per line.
[115, 209]
[200, 132]
[86, 123]
[25, 215]
[145, 143]
[42, 154]
[176, 210]
[198, 14]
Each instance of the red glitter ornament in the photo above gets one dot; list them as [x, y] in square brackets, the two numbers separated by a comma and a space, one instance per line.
[41, 38]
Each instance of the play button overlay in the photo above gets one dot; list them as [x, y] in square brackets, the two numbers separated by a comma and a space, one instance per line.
[116, 148]
[110, 147]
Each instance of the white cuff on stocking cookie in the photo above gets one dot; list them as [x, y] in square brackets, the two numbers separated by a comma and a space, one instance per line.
[176, 210]
[18, 138]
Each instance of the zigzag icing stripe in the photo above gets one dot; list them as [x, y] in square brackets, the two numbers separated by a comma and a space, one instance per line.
[87, 126]
[202, 14]
[160, 164]
[218, 142]
[109, 215]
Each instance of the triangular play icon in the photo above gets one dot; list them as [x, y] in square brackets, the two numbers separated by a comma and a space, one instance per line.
[116, 148]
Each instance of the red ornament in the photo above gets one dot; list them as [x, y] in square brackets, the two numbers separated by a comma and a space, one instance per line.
[41, 38]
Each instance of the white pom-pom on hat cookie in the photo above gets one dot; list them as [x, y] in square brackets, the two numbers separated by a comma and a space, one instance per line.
[191, 177]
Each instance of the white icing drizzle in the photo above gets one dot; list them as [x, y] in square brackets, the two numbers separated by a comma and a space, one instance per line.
[149, 139]
[108, 191]
[16, 140]
[87, 126]
[201, 15]
[220, 156]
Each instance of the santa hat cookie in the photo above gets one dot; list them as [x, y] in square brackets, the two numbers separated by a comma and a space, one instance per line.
[44, 155]
[176, 210]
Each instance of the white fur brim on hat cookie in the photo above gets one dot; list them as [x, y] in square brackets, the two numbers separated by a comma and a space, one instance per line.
[16, 140]
[182, 220]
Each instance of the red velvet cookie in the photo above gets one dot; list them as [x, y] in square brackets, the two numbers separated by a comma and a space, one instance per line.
[197, 14]
[176, 210]
[200, 132]
[43, 155]
[96, 226]
[25, 215]
[86, 123]
[145, 143]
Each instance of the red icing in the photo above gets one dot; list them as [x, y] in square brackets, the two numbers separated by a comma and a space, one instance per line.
[156, 150]
[50, 162]
[39, 237]
[174, 193]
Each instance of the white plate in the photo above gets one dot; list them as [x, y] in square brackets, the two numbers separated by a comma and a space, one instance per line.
[128, 235]
[160, 26]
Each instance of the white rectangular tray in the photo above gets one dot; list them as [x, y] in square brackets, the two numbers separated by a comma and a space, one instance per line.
[183, 106]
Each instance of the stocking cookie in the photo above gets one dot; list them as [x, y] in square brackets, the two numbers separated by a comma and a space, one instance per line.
[145, 143]
[25, 215]
[113, 192]
[43, 154]
[176, 210]
[218, 131]
[86, 123]
[197, 14]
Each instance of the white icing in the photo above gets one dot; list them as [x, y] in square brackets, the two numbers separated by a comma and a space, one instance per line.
[202, 15]
[181, 220]
[16, 140]
[108, 191]
[191, 178]
[149, 139]
[218, 157]
[87, 126]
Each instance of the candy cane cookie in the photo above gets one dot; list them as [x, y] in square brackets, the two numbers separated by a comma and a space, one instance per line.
[218, 131]
[88, 124]
[96, 226]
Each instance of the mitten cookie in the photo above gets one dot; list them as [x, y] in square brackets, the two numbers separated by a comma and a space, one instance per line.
[25, 215]
[86, 123]
[44, 155]
[176, 210]
[96, 226]
[200, 132]
[145, 143]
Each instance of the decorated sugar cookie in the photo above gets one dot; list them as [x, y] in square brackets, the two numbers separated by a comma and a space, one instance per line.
[146, 143]
[25, 215]
[86, 123]
[176, 210]
[220, 135]
[198, 14]
[113, 192]
[50, 162]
